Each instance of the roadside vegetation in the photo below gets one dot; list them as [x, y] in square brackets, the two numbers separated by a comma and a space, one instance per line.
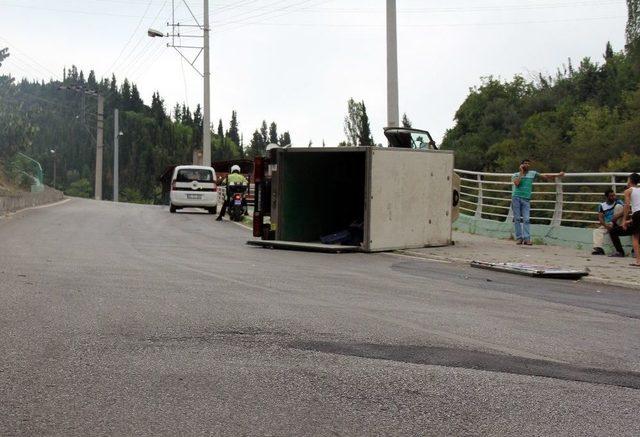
[585, 118]
[37, 118]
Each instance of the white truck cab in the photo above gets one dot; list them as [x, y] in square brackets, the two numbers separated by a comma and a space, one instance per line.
[193, 186]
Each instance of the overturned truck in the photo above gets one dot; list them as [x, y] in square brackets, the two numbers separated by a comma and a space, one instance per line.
[371, 199]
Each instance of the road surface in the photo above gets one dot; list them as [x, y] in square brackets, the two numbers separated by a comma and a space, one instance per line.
[121, 319]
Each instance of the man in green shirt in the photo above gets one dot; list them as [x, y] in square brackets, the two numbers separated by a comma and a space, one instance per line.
[521, 199]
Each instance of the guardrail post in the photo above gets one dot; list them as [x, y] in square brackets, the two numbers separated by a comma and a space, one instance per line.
[613, 184]
[557, 213]
[479, 204]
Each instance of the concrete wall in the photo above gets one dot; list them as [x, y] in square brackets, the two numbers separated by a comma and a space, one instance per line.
[26, 200]
[577, 238]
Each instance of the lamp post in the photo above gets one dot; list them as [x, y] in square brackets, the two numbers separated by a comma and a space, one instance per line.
[53, 154]
[117, 133]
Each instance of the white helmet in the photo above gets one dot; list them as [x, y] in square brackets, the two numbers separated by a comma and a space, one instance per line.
[235, 168]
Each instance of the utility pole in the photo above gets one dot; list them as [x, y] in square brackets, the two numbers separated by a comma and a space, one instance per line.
[206, 123]
[116, 151]
[206, 72]
[99, 131]
[99, 147]
[393, 111]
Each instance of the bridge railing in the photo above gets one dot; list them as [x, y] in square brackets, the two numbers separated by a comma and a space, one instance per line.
[568, 201]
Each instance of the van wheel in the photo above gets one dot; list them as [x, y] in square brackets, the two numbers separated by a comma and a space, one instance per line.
[172, 209]
[213, 210]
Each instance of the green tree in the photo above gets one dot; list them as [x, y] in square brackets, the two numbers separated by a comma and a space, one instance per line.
[234, 133]
[284, 140]
[405, 121]
[356, 124]
[273, 133]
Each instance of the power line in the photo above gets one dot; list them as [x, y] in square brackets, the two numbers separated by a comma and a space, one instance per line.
[35, 62]
[130, 37]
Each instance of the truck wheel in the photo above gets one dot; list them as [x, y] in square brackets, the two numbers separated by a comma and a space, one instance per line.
[172, 209]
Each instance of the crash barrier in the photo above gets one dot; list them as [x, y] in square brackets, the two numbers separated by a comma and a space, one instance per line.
[18, 201]
[27, 171]
[563, 212]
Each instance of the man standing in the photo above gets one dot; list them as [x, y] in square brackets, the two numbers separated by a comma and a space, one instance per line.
[521, 199]
[609, 213]
[631, 220]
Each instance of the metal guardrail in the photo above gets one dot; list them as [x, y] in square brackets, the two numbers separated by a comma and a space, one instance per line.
[569, 201]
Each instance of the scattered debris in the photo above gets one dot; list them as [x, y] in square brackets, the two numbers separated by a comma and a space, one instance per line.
[532, 270]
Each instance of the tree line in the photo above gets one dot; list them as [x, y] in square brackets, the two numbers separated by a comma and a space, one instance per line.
[584, 118]
[50, 123]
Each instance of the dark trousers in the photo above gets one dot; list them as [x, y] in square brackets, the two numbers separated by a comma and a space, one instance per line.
[615, 233]
[223, 210]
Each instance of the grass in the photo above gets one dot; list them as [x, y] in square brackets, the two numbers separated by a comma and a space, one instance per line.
[7, 188]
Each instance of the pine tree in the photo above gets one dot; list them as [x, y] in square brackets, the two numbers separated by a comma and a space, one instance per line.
[4, 54]
[273, 133]
[264, 132]
[177, 113]
[136, 102]
[234, 134]
[220, 130]
[633, 21]
[285, 139]
[258, 145]
[356, 125]
[125, 91]
[406, 122]
[365, 137]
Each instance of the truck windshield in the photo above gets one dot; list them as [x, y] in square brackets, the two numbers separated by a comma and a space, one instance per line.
[194, 174]
[420, 141]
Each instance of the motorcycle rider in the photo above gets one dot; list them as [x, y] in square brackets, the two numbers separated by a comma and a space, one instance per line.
[233, 178]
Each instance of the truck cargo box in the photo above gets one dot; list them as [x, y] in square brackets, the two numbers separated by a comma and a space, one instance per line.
[401, 198]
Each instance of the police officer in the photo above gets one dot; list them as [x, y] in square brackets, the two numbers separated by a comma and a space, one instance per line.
[233, 178]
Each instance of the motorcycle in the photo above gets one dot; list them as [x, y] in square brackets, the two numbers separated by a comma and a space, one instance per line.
[237, 202]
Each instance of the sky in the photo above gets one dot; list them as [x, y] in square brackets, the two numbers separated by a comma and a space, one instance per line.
[298, 62]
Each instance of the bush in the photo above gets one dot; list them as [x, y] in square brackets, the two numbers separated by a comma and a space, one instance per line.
[79, 188]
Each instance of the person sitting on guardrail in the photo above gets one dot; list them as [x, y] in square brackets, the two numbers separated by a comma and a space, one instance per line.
[610, 214]
[631, 219]
[521, 199]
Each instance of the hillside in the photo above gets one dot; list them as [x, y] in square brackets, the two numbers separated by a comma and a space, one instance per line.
[584, 119]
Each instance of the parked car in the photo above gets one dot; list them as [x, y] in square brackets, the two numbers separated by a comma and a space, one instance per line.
[193, 186]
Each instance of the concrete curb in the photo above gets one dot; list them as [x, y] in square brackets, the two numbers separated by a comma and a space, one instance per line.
[590, 279]
[21, 201]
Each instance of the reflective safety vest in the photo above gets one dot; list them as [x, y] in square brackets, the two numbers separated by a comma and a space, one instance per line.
[236, 179]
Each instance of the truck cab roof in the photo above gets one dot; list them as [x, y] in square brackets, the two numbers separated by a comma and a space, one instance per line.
[409, 138]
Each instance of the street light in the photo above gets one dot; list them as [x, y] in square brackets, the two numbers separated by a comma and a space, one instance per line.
[53, 153]
[154, 33]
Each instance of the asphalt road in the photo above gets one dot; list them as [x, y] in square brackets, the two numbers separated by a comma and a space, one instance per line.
[128, 320]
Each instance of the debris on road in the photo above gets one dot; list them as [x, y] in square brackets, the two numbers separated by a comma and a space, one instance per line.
[531, 270]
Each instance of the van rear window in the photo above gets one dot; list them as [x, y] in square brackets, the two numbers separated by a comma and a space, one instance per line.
[194, 174]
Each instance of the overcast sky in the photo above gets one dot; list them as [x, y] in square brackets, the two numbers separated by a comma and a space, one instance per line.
[297, 62]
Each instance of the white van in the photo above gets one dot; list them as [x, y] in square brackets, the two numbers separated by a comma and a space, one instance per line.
[194, 186]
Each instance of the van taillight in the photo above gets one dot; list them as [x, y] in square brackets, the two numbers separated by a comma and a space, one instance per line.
[173, 185]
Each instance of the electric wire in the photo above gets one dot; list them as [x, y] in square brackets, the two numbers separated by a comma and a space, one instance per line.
[113, 64]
